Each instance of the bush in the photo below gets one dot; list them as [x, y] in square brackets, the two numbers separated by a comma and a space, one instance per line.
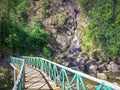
[6, 78]
[103, 30]
[46, 53]
[37, 40]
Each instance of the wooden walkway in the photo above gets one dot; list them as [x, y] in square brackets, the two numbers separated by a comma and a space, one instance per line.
[37, 80]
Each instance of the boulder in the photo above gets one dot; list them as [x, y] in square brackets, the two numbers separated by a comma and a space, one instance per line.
[112, 67]
[82, 56]
[91, 66]
[118, 63]
[102, 68]
[68, 64]
[102, 76]
[79, 60]
[82, 65]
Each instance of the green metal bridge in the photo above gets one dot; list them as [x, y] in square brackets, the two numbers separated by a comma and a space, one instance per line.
[54, 76]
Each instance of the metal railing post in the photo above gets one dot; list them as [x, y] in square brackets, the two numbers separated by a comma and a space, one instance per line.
[15, 69]
[14, 76]
[18, 80]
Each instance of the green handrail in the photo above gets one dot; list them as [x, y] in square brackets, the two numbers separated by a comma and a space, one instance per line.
[61, 77]
[19, 84]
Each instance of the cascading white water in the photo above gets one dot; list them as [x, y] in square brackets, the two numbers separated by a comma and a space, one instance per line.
[75, 44]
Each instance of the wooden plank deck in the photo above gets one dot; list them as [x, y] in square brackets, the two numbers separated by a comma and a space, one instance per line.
[38, 80]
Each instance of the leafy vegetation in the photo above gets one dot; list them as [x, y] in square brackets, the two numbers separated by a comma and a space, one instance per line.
[45, 7]
[46, 53]
[18, 37]
[6, 78]
[37, 39]
[103, 31]
[16, 34]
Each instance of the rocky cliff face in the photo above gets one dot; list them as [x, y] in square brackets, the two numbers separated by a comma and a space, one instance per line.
[64, 20]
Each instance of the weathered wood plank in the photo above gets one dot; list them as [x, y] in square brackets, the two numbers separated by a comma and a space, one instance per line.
[38, 80]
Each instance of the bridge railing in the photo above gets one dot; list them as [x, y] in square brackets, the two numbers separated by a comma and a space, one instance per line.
[61, 75]
[20, 79]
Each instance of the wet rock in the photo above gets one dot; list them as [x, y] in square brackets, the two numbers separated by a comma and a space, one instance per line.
[112, 67]
[80, 64]
[91, 66]
[67, 64]
[102, 68]
[82, 56]
[102, 76]
[75, 68]
[79, 61]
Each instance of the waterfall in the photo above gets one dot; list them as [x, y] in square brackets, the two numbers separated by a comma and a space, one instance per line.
[75, 44]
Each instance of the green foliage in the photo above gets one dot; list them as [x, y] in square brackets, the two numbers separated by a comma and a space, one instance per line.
[16, 35]
[38, 22]
[103, 31]
[30, 40]
[45, 7]
[46, 53]
[21, 10]
[38, 38]
[7, 80]
[7, 6]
